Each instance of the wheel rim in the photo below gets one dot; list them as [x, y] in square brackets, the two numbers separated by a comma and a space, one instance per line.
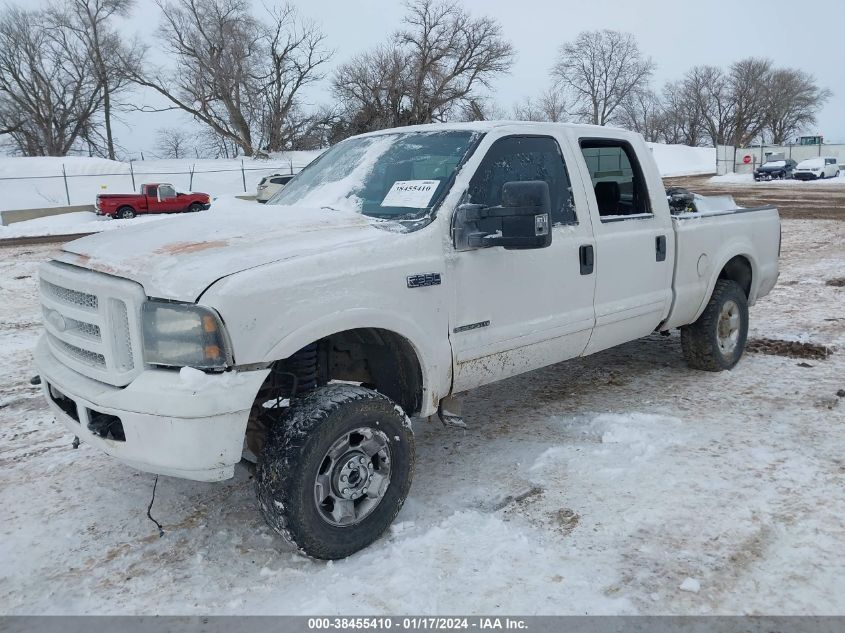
[727, 330]
[353, 477]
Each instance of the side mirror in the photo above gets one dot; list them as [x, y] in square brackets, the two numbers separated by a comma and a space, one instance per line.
[522, 221]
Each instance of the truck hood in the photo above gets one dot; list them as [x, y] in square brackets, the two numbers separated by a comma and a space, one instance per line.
[180, 258]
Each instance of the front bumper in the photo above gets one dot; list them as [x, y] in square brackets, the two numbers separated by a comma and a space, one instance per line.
[171, 427]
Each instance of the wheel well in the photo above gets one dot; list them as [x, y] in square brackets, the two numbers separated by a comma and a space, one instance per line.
[374, 357]
[738, 270]
[377, 358]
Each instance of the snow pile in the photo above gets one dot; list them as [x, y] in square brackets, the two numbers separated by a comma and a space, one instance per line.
[71, 224]
[682, 160]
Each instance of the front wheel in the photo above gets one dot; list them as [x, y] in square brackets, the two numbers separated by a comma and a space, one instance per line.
[716, 340]
[336, 470]
[195, 208]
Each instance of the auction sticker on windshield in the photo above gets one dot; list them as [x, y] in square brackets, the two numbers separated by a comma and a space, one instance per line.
[415, 194]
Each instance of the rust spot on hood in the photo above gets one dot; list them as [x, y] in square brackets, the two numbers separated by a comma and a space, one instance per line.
[190, 247]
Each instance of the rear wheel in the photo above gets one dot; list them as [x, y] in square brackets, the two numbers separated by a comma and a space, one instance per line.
[336, 470]
[125, 213]
[716, 340]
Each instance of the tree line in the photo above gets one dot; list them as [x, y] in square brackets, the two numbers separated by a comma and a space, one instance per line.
[67, 73]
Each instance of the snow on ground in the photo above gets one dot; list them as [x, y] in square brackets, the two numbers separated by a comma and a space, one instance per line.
[44, 185]
[619, 483]
[682, 160]
[748, 179]
[89, 222]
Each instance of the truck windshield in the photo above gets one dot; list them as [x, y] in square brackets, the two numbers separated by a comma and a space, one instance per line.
[401, 176]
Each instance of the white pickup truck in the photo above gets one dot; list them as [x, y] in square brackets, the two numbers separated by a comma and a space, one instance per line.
[398, 270]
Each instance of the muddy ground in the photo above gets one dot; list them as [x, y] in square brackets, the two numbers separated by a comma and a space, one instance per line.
[795, 200]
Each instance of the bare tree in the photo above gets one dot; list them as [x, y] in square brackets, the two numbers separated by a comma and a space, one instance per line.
[373, 88]
[481, 109]
[792, 101]
[599, 70]
[239, 75]
[642, 111]
[549, 106]
[91, 22]
[451, 53]
[49, 90]
[748, 89]
[431, 69]
[733, 103]
[683, 120]
[173, 142]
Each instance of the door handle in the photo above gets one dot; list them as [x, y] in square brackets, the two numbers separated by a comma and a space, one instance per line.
[586, 258]
[660, 248]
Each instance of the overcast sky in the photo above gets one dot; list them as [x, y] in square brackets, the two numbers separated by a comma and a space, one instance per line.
[677, 34]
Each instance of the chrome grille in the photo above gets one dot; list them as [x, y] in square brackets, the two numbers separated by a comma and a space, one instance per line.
[88, 357]
[66, 295]
[92, 321]
[81, 327]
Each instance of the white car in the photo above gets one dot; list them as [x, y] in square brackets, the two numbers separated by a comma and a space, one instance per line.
[270, 185]
[403, 268]
[817, 168]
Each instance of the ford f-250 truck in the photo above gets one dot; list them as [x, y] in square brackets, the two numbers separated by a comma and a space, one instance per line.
[398, 270]
[153, 198]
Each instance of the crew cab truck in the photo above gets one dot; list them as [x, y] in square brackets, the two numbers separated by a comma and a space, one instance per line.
[395, 272]
[153, 198]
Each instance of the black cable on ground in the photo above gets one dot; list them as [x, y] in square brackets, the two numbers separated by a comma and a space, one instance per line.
[150, 507]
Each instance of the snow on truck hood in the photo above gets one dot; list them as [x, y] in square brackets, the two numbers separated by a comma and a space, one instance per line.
[180, 258]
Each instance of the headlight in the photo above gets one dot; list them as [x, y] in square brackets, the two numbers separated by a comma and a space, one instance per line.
[184, 335]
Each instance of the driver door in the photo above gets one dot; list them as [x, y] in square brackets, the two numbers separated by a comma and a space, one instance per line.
[517, 310]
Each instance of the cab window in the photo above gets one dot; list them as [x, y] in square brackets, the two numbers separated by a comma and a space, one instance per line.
[520, 158]
[617, 179]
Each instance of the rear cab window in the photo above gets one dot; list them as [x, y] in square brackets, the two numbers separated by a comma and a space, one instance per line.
[618, 183]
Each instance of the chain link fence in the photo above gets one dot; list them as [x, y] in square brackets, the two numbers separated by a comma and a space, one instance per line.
[55, 181]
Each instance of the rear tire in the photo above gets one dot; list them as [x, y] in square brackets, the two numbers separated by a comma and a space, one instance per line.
[125, 213]
[335, 472]
[716, 340]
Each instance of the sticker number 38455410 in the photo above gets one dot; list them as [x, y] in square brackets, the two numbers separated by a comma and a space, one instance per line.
[415, 194]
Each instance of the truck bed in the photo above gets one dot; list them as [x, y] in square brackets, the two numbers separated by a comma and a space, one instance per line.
[706, 240]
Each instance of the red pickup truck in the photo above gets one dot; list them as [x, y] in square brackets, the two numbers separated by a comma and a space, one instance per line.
[154, 198]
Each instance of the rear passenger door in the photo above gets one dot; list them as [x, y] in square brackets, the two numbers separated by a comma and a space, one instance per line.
[634, 246]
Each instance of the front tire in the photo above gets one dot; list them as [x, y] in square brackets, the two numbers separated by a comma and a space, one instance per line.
[195, 208]
[716, 340]
[336, 471]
